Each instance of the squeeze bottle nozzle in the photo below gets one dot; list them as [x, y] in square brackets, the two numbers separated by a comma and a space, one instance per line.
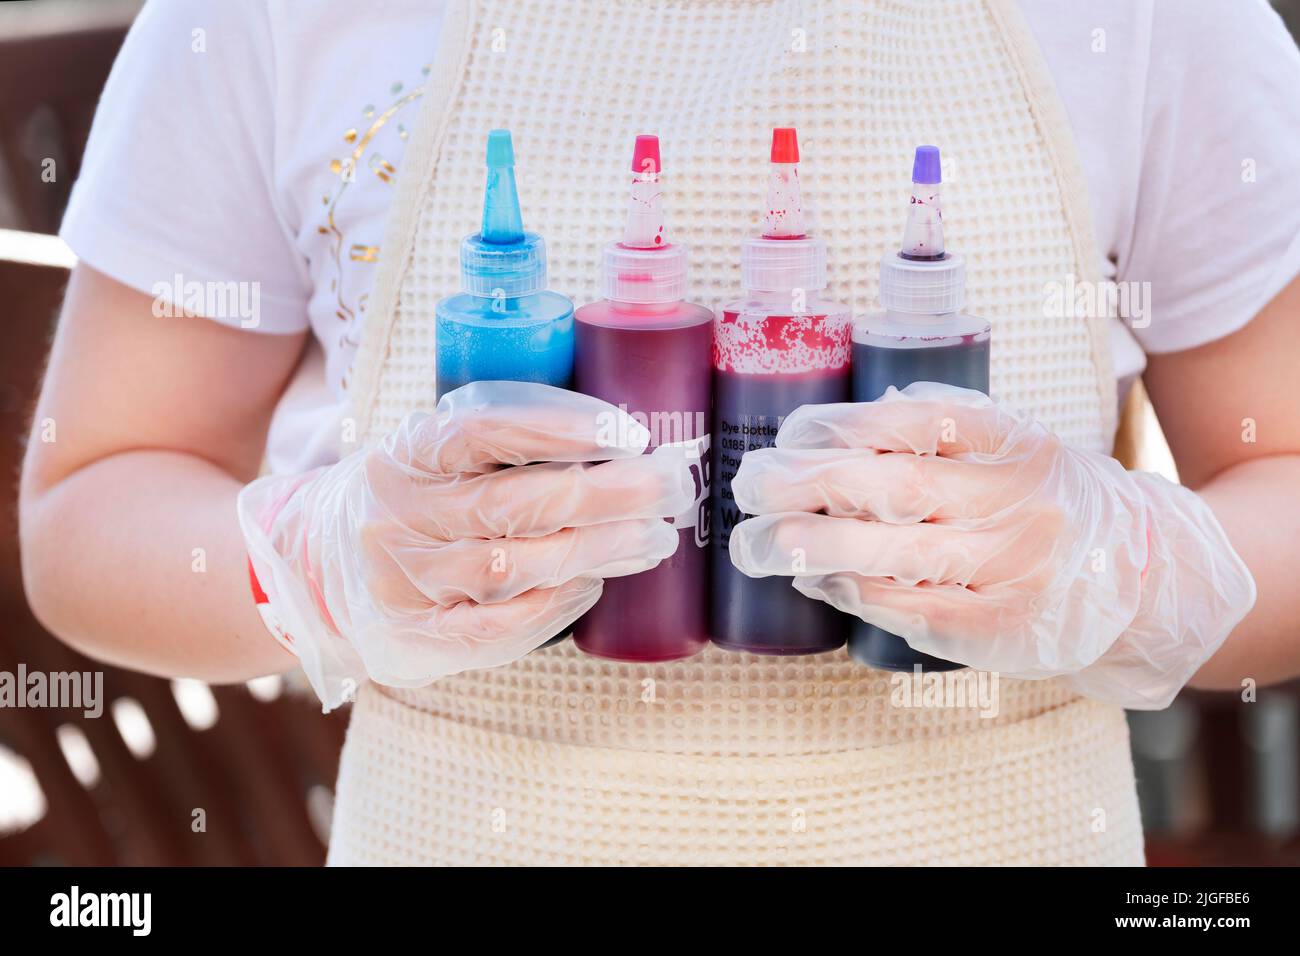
[645, 268]
[923, 234]
[644, 228]
[502, 221]
[501, 260]
[922, 278]
[784, 258]
[784, 205]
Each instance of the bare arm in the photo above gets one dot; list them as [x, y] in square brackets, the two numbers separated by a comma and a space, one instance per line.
[131, 548]
[1211, 402]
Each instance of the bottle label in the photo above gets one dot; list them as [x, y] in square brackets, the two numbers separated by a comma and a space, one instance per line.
[696, 517]
[737, 435]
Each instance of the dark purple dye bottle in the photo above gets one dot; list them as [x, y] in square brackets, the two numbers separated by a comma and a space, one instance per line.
[895, 349]
[922, 336]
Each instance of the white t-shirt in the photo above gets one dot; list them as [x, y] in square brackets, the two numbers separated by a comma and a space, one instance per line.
[225, 133]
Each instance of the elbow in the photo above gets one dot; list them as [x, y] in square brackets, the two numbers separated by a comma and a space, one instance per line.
[38, 560]
[32, 563]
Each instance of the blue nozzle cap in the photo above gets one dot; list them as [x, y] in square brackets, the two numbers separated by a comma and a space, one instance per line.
[500, 151]
[925, 167]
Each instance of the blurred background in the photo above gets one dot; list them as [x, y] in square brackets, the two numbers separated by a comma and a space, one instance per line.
[1219, 779]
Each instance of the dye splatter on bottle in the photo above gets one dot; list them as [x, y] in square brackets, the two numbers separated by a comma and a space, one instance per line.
[645, 349]
[779, 347]
[504, 325]
[921, 336]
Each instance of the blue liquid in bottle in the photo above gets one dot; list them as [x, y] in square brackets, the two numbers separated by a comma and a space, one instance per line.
[526, 338]
[504, 325]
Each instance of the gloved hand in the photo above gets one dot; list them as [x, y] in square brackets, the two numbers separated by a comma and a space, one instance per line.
[426, 556]
[979, 537]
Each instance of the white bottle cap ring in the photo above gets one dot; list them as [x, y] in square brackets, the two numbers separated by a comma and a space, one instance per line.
[780, 265]
[923, 287]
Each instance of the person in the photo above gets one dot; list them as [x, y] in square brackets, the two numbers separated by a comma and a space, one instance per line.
[270, 203]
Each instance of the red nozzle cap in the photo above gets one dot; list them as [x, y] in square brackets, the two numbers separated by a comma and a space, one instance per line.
[645, 158]
[785, 145]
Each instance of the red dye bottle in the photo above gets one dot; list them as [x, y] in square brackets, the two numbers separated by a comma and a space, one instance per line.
[779, 347]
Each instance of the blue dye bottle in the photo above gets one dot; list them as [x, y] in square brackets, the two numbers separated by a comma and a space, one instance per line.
[922, 336]
[504, 325]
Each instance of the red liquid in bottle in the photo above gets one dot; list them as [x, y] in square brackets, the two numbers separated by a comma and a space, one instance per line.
[767, 364]
[653, 360]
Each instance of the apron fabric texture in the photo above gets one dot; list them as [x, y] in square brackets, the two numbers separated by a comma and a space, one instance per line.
[727, 758]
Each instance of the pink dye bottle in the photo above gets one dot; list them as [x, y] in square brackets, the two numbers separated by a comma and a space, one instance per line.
[647, 350]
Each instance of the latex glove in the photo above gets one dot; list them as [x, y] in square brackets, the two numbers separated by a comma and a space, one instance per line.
[979, 537]
[426, 556]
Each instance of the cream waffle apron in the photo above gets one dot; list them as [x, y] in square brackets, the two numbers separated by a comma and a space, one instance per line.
[731, 758]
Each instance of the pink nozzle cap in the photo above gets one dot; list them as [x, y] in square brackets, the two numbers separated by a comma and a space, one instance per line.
[644, 228]
[645, 157]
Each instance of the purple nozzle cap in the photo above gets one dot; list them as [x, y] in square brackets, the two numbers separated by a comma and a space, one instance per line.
[925, 168]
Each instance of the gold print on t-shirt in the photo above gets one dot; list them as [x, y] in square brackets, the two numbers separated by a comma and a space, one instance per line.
[347, 170]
